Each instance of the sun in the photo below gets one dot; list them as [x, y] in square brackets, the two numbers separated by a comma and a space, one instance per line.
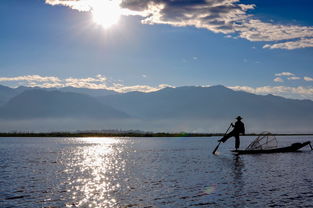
[106, 13]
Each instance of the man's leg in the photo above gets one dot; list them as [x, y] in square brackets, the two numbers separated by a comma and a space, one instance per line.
[226, 137]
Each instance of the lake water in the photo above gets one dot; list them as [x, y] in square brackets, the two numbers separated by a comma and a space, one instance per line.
[150, 172]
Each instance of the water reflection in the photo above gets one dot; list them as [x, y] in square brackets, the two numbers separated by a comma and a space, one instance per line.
[238, 165]
[231, 179]
[237, 169]
[92, 170]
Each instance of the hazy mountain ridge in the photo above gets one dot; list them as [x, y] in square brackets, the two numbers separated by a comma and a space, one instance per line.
[38, 103]
[207, 102]
[194, 109]
[6, 93]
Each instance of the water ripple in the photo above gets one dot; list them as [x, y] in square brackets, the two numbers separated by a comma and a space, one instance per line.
[148, 172]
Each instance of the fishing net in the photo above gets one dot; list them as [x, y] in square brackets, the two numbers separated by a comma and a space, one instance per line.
[265, 141]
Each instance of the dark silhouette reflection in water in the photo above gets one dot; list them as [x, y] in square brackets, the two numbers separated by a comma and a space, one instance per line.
[237, 169]
[231, 181]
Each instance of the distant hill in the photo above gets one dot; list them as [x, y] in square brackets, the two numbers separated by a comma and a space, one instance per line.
[91, 92]
[192, 109]
[6, 93]
[39, 103]
[217, 104]
[208, 102]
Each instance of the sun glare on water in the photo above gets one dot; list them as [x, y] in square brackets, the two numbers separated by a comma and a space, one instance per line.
[106, 13]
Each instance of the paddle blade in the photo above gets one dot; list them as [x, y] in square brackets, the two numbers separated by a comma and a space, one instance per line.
[216, 148]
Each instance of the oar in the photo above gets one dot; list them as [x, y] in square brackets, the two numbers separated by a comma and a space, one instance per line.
[220, 141]
[216, 148]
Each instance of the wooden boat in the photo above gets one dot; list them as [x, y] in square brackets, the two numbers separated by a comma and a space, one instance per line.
[292, 148]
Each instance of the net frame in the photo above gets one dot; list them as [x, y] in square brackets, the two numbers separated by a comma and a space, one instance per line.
[264, 141]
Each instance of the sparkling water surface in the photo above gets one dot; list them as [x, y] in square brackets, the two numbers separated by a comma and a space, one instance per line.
[150, 172]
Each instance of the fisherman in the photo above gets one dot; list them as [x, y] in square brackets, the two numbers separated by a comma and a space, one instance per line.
[239, 128]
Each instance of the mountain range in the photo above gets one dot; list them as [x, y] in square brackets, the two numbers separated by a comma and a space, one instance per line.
[6, 93]
[196, 109]
[38, 103]
[207, 103]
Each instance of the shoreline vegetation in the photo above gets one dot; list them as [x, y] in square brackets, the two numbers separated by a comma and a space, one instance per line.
[117, 133]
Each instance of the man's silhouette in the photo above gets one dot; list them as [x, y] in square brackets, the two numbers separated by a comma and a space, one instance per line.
[239, 128]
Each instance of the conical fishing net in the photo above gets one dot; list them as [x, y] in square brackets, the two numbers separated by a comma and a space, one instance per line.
[263, 142]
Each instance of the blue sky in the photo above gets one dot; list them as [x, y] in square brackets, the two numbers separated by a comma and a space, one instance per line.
[63, 46]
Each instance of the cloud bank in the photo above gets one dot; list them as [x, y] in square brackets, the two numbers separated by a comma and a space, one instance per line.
[229, 17]
[299, 92]
[102, 82]
[97, 82]
[30, 78]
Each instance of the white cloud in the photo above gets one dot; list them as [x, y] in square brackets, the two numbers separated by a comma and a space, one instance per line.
[229, 17]
[141, 88]
[293, 78]
[256, 30]
[308, 79]
[47, 85]
[97, 82]
[299, 92]
[278, 79]
[284, 74]
[80, 5]
[36, 78]
[290, 45]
